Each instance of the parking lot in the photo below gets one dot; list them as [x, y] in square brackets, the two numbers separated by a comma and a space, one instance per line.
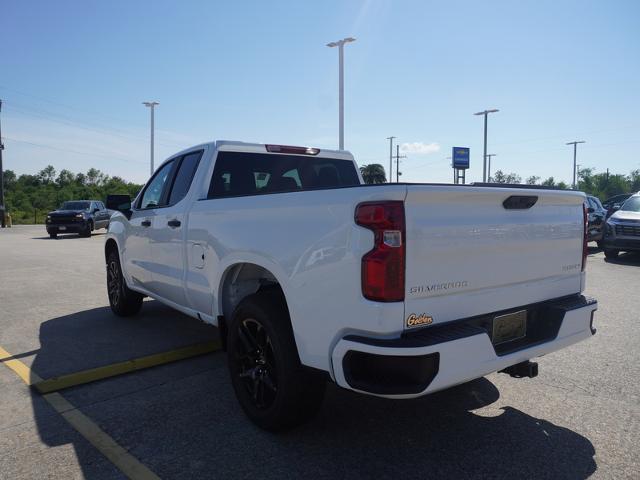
[579, 418]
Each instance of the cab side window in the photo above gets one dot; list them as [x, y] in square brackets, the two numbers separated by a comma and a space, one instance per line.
[152, 195]
[184, 177]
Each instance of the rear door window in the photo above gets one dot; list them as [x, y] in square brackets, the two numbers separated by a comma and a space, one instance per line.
[241, 173]
[184, 177]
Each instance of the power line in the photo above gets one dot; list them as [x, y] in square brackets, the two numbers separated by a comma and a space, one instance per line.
[51, 117]
[67, 150]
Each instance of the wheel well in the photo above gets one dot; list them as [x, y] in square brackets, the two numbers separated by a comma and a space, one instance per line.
[109, 247]
[242, 280]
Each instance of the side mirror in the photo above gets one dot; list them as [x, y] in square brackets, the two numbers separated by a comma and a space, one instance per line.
[590, 210]
[121, 203]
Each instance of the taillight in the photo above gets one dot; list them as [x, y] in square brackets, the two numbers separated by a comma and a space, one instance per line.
[383, 266]
[585, 240]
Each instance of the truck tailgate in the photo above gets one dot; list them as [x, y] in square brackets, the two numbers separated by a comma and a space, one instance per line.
[466, 254]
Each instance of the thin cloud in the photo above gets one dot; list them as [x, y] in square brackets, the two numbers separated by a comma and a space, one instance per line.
[420, 148]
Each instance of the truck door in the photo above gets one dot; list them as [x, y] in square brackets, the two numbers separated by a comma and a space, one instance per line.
[137, 248]
[167, 233]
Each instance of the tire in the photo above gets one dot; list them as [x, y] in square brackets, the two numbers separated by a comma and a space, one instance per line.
[275, 391]
[87, 230]
[123, 301]
[53, 235]
[608, 253]
[600, 244]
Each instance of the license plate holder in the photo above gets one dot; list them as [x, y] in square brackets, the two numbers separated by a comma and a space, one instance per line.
[509, 327]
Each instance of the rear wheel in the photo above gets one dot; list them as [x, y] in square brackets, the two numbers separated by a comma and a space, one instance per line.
[609, 253]
[273, 388]
[123, 301]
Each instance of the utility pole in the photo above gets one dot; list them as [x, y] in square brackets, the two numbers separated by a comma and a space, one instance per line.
[484, 163]
[390, 157]
[489, 155]
[151, 105]
[2, 209]
[398, 157]
[340, 44]
[575, 149]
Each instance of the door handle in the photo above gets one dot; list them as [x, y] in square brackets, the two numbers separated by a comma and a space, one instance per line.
[146, 223]
[175, 223]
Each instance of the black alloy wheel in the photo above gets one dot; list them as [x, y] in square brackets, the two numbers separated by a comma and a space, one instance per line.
[273, 388]
[124, 302]
[256, 365]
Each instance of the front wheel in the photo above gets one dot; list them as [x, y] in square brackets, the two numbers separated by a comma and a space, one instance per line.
[609, 253]
[273, 388]
[123, 301]
[53, 235]
[86, 232]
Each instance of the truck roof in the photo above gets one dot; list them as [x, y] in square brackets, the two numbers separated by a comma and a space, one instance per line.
[238, 146]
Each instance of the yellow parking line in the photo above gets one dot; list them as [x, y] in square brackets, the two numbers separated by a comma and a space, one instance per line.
[78, 378]
[106, 445]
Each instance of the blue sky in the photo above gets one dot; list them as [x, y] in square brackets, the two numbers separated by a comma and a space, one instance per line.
[73, 75]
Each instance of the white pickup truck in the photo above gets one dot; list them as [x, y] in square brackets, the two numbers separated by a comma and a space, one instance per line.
[395, 290]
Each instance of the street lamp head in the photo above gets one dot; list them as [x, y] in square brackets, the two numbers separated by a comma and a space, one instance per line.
[573, 143]
[341, 42]
[487, 111]
[150, 104]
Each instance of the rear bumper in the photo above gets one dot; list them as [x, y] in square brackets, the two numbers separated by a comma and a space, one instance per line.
[441, 356]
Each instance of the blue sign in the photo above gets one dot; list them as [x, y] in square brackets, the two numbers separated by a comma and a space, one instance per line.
[460, 157]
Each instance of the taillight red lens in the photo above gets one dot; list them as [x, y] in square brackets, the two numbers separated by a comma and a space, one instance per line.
[585, 240]
[383, 266]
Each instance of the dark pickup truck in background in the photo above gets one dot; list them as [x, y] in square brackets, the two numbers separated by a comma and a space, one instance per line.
[78, 216]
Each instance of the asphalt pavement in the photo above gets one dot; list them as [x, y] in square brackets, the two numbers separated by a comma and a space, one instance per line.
[580, 418]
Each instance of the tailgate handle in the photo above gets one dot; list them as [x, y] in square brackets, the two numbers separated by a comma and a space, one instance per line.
[520, 202]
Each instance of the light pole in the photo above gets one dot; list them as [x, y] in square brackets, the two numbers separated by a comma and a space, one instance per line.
[575, 149]
[398, 157]
[152, 106]
[484, 163]
[489, 155]
[390, 156]
[340, 44]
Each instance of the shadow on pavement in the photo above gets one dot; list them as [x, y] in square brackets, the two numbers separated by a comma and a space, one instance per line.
[190, 426]
[95, 338]
[629, 258]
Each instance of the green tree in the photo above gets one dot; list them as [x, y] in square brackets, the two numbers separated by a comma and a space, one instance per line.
[532, 180]
[47, 174]
[33, 195]
[373, 173]
[500, 177]
[65, 177]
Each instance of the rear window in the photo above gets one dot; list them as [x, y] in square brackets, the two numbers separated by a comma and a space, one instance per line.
[239, 173]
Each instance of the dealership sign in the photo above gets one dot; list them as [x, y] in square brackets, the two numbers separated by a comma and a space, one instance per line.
[460, 158]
